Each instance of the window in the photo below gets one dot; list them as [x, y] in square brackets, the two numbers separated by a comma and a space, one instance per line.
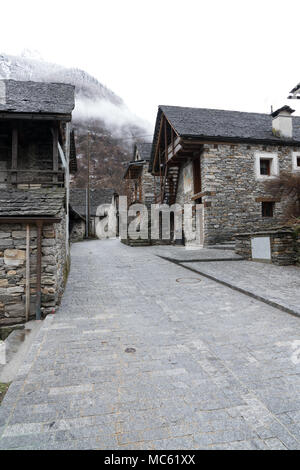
[265, 167]
[296, 161]
[267, 209]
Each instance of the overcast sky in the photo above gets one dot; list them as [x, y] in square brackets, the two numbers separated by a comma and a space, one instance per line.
[226, 54]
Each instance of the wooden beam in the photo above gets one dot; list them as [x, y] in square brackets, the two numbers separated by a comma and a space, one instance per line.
[172, 126]
[27, 220]
[166, 142]
[39, 271]
[36, 116]
[27, 281]
[202, 194]
[14, 153]
[160, 175]
[172, 140]
[55, 153]
[158, 143]
[267, 199]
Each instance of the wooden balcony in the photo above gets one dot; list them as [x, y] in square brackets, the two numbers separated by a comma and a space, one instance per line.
[31, 178]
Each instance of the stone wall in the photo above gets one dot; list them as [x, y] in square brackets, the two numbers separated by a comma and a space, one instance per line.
[61, 262]
[185, 188]
[297, 245]
[230, 188]
[13, 269]
[150, 187]
[282, 241]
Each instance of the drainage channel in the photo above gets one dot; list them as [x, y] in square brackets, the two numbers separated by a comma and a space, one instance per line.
[231, 286]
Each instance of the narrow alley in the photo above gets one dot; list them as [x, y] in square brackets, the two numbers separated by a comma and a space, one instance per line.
[145, 354]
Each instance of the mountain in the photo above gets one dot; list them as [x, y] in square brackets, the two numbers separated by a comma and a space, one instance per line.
[113, 127]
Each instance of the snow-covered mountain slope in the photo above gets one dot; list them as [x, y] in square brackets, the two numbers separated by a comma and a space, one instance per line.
[94, 101]
[113, 126]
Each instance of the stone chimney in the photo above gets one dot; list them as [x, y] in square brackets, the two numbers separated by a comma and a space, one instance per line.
[282, 122]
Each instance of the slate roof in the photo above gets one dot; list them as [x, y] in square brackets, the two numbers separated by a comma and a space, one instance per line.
[296, 89]
[97, 197]
[36, 97]
[144, 150]
[37, 202]
[201, 122]
[137, 164]
[222, 125]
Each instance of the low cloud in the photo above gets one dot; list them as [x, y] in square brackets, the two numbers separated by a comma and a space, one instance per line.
[117, 118]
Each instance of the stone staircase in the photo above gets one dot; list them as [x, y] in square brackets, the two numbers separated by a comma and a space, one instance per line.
[170, 185]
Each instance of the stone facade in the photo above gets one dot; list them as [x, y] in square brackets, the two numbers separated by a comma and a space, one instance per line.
[37, 155]
[145, 188]
[55, 265]
[150, 187]
[230, 188]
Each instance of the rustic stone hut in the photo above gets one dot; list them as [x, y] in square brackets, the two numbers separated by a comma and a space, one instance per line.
[36, 157]
[222, 159]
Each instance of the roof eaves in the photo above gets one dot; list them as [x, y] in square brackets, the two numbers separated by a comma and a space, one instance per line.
[274, 141]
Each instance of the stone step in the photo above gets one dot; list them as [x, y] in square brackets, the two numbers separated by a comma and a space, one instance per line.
[222, 246]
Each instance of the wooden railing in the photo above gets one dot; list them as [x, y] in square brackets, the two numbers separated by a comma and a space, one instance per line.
[43, 178]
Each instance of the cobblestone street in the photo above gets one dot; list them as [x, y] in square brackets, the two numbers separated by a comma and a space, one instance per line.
[145, 354]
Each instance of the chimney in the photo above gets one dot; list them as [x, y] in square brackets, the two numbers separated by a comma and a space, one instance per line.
[282, 122]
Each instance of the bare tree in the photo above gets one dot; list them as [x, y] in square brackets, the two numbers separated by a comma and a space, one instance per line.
[287, 186]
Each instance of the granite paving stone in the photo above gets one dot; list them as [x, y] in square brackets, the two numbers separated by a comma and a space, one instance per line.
[146, 354]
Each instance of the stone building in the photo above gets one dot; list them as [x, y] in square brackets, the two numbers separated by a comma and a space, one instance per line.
[103, 205]
[142, 186]
[222, 159]
[37, 155]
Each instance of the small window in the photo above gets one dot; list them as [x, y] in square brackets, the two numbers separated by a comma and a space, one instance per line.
[267, 209]
[265, 167]
[298, 162]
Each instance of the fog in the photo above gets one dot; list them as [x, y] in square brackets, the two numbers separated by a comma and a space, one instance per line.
[117, 118]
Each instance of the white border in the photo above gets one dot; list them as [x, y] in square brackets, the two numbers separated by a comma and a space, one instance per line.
[295, 155]
[274, 165]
